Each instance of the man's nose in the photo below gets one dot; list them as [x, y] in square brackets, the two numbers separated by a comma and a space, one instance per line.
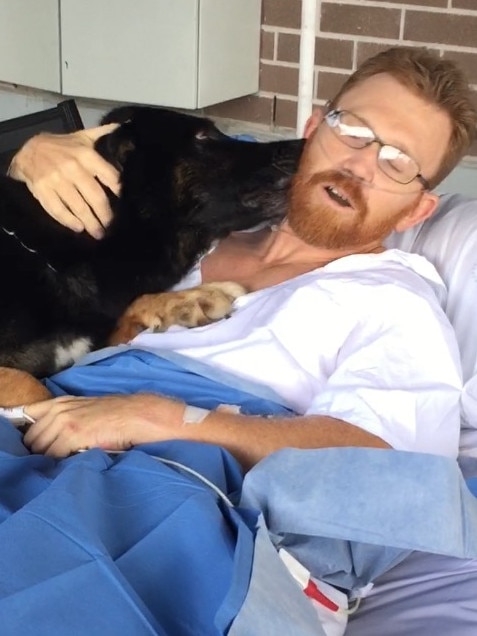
[362, 162]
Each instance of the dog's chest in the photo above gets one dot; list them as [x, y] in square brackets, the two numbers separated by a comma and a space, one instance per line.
[67, 354]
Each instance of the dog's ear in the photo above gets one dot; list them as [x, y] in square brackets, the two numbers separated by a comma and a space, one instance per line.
[119, 115]
[116, 146]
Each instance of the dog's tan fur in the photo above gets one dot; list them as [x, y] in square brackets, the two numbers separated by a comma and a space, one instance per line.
[19, 387]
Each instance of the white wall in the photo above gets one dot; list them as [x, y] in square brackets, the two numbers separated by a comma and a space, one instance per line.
[463, 179]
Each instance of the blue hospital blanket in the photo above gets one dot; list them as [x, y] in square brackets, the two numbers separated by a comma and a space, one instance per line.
[105, 545]
[126, 370]
[132, 545]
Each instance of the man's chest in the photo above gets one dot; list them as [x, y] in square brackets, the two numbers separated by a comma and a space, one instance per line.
[240, 262]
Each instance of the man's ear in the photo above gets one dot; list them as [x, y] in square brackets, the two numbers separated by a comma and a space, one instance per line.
[423, 210]
[313, 121]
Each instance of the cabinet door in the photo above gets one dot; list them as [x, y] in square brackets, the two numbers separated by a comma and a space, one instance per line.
[229, 50]
[143, 51]
[29, 43]
[179, 53]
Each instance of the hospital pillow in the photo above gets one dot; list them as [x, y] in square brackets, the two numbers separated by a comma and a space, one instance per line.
[449, 240]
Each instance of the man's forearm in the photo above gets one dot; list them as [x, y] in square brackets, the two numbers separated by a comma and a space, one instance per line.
[117, 422]
[250, 439]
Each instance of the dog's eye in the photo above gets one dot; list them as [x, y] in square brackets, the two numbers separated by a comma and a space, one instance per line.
[210, 134]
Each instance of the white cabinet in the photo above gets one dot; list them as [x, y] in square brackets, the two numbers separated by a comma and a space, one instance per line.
[30, 43]
[178, 53]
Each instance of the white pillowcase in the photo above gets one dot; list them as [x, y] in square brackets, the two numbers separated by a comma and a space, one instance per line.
[449, 240]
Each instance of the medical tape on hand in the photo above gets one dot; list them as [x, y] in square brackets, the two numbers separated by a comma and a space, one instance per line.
[16, 415]
[194, 414]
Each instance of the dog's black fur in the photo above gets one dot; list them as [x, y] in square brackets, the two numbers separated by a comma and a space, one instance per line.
[184, 185]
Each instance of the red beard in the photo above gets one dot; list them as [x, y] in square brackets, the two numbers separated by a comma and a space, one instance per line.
[324, 226]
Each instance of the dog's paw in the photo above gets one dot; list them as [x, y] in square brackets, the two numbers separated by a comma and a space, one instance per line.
[193, 307]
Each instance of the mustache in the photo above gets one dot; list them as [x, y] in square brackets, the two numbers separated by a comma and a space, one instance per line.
[346, 183]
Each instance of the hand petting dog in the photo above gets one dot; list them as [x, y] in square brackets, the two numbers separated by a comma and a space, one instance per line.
[66, 425]
[64, 173]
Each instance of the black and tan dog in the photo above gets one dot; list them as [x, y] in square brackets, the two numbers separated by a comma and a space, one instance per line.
[183, 185]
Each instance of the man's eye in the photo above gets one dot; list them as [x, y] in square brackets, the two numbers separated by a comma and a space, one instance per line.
[356, 137]
[395, 159]
[396, 166]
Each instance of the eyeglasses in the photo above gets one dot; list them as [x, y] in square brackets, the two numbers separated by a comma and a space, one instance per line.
[355, 133]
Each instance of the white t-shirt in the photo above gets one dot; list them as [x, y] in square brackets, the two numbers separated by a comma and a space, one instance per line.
[363, 339]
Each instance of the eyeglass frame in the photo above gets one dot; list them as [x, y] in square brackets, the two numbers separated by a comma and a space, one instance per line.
[375, 139]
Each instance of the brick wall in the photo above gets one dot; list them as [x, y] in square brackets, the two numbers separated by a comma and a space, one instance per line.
[348, 31]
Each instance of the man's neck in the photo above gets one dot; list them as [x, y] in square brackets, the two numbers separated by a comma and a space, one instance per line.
[281, 244]
[267, 257]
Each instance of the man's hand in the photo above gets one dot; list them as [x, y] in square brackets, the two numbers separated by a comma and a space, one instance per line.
[66, 425]
[63, 172]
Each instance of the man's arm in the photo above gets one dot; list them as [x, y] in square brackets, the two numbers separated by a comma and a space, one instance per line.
[65, 173]
[66, 425]
[250, 439]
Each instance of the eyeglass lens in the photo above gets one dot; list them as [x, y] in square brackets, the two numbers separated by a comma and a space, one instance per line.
[355, 133]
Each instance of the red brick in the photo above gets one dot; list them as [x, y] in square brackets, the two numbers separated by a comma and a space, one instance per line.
[278, 79]
[329, 84]
[267, 45]
[441, 27]
[281, 13]
[288, 47]
[360, 20]
[328, 51]
[425, 3]
[331, 52]
[464, 4]
[286, 113]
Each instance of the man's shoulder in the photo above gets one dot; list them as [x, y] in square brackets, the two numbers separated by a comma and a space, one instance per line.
[401, 270]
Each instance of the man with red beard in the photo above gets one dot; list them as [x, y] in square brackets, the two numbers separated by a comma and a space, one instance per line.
[350, 335]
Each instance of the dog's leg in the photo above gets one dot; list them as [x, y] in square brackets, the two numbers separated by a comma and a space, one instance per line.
[189, 308]
[19, 387]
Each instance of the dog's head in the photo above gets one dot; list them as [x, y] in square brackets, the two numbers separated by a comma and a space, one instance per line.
[185, 160]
